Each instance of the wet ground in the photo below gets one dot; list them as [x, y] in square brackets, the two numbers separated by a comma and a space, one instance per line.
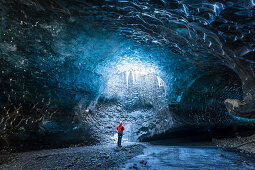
[189, 157]
[131, 156]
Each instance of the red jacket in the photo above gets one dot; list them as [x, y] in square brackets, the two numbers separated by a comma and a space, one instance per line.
[120, 128]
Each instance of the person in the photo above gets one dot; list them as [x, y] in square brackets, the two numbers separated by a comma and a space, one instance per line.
[120, 130]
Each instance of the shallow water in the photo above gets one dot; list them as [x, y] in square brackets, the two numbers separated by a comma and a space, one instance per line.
[184, 157]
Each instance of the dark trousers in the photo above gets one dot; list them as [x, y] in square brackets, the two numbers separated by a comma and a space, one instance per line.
[119, 138]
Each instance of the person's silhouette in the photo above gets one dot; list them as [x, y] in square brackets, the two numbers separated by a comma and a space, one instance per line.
[120, 130]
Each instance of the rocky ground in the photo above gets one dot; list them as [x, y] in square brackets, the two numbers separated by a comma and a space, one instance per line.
[87, 157]
[242, 144]
[136, 156]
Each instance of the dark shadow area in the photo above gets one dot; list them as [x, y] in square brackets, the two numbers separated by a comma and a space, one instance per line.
[199, 135]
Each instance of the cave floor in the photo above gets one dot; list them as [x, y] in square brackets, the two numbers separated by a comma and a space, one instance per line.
[85, 157]
[130, 156]
[189, 157]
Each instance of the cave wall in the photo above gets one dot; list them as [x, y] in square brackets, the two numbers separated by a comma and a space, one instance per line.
[202, 102]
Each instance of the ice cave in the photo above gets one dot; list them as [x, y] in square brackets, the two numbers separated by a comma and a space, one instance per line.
[71, 70]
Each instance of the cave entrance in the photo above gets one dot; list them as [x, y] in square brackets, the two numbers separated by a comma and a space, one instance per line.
[136, 98]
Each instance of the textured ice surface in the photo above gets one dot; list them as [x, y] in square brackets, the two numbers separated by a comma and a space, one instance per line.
[58, 58]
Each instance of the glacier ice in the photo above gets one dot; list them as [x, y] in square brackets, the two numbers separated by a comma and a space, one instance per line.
[67, 64]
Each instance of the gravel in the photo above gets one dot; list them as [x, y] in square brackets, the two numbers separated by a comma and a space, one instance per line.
[86, 157]
[242, 144]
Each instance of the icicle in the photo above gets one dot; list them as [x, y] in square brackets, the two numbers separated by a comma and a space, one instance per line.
[127, 74]
[223, 52]
[136, 75]
[159, 83]
[165, 88]
[178, 99]
[204, 37]
[186, 10]
[210, 44]
[133, 76]
[216, 9]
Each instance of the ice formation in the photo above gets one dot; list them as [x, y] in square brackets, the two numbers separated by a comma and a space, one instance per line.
[70, 66]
